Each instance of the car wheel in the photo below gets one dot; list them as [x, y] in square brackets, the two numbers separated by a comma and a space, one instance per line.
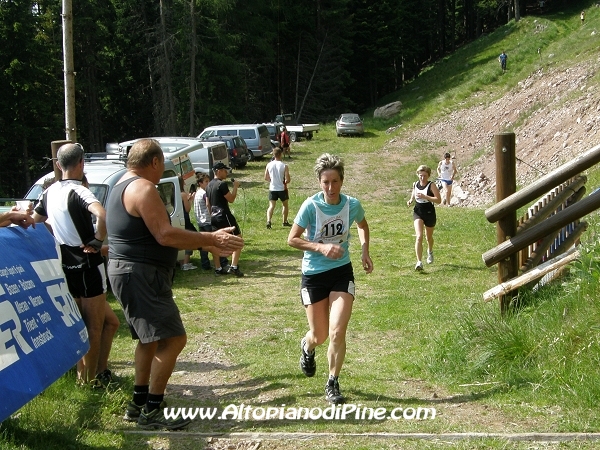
[250, 156]
[293, 136]
[309, 136]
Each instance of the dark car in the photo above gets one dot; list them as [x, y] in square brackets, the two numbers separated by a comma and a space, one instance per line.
[238, 150]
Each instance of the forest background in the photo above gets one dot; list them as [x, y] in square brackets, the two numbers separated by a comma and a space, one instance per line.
[172, 67]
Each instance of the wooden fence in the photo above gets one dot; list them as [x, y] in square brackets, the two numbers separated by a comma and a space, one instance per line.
[544, 240]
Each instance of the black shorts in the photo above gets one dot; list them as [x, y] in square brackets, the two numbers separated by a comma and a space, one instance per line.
[279, 195]
[316, 288]
[144, 292]
[227, 221]
[425, 212]
[87, 283]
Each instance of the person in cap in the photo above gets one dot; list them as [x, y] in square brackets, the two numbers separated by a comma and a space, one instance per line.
[218, 198]
[446, 171]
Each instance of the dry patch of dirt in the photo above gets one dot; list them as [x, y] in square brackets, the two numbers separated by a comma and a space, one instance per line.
[555, 116]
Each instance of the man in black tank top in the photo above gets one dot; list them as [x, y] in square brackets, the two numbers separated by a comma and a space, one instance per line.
[143, 246]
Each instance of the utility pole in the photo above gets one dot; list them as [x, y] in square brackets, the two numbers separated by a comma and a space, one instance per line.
[69, 72]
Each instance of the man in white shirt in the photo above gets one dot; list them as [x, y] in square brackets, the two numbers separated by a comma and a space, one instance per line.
[278, 175]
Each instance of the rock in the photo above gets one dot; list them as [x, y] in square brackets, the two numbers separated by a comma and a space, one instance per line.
[387, 111]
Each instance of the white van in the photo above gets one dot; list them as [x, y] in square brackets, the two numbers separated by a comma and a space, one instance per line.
[200, 156]
[255, 135]
[103, 174]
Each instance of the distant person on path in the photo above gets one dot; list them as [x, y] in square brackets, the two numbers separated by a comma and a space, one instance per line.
[582, 16]
[502, 58]
[278, 175]
[425, 194]
[143, 249]
[322, 229]
[218, 198]
[67, 208]
[284, 142]
[446, 171]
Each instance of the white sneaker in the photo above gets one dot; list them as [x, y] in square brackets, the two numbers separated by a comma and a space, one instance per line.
[419, 266]
[429, 257]
[188, 266]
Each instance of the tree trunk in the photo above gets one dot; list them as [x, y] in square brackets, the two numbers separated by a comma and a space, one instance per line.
[167, 105]
[311, 79]
[193, 51]
[517, 10]
[69, 72]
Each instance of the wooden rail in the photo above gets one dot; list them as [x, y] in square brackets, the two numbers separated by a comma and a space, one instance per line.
[543, 185]
[548, 232]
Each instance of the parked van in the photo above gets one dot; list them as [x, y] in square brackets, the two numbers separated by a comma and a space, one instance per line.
[256, 137]
[211, 153]
[200, 156]
[103, 174]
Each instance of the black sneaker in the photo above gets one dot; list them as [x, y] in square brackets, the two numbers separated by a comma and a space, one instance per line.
[268, 225]
[156, 419]
[106, 378]
[307, 360]
[133, 411]
[237, 272]
[332, 392]
[287, 224]
[220, 272]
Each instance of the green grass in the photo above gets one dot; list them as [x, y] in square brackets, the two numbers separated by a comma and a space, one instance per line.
[415, 339]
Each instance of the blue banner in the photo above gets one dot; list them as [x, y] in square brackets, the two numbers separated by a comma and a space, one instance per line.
[42, 334]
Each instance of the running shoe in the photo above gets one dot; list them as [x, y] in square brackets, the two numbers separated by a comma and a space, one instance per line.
[188, 266]
[429, 257]
[156, 419]
[237, 272]
[307, 360]
[133, 411]
[106, 377]
[268, 225]
[332, 392]
[287, 224]
[419, 266]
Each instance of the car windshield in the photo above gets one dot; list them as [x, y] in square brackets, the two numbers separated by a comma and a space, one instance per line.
[99, 191]
[351, 119]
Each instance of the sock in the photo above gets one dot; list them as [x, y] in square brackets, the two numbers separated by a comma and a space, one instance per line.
[308, 352]
[154, 401]
[234, 267]
[332, 379]
[140, 394]
[219, 269]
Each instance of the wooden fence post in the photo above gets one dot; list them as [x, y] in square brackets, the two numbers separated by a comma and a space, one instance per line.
[506, 227]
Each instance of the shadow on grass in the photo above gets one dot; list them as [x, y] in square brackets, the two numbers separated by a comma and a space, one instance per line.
[42, 440]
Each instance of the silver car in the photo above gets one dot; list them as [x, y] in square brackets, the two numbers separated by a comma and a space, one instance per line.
[349, 123]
